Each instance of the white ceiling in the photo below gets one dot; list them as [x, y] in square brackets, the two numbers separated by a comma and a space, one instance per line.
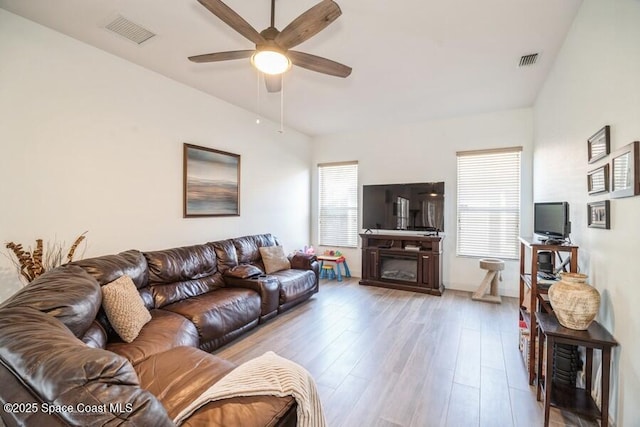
[412, 60]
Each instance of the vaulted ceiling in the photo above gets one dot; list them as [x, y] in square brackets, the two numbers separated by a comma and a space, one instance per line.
[412, 60]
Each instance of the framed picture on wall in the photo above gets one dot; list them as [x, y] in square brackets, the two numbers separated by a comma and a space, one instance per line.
[598, 145]
[598, 180]
[625, 171]
[598, 215]
[211, 182]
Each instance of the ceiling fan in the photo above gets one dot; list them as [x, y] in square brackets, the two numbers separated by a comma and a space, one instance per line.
[272, 54]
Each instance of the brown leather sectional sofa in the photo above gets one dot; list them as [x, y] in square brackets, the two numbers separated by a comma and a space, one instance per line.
[61, 362]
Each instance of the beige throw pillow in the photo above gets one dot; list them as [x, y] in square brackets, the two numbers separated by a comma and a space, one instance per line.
[124, 307]
[274, 259]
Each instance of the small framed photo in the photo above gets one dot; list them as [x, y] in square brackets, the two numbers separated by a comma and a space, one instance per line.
[598, 180]
[598, 215]
[211, 182]
[625, 171]
[598, 145]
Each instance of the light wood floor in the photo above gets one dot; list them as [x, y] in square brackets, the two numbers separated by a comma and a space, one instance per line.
[391, 358]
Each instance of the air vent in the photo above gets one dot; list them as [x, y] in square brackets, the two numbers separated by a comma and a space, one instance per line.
[129, 30]
[528, 60]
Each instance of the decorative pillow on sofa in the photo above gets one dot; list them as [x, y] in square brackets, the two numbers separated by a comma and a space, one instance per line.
[243, 271]
[274, 259]
[124, 308]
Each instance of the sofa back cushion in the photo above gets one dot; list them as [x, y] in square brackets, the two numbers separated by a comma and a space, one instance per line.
[180, 273]
[225, 254]
[247, 248]
[68, 293]
[55, 367]
[131, 263]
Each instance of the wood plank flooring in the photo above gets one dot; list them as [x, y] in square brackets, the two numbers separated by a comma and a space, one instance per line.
[391, 358]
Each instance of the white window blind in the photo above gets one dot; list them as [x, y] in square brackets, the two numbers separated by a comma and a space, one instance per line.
[489, 203]
[338, 204]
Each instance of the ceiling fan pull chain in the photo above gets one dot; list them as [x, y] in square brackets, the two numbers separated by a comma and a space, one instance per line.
[258, 80]
[281, 104]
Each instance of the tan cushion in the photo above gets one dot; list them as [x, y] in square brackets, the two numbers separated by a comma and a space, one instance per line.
[274, 259]
[124, 307]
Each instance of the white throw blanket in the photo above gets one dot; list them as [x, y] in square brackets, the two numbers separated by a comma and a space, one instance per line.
[268, 374]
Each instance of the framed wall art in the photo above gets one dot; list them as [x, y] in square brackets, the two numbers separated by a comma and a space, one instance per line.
[211, 182]
[598, 145]
[625, 171]
[598, 180]
[598, 215]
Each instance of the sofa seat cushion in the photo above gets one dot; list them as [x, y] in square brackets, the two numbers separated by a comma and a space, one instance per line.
[164, 331]
[250, 411]
[295, 284]
[220, 312]
[178, 376]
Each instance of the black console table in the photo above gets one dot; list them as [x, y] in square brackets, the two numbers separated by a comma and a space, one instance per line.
[407, 262]
[577, 400]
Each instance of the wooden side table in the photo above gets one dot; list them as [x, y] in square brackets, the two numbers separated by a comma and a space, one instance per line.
[576, 400]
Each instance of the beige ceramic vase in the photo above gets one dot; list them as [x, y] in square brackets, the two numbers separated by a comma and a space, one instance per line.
[574, 302]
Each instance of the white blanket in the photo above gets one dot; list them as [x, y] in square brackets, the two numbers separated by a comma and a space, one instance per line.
[268, 374]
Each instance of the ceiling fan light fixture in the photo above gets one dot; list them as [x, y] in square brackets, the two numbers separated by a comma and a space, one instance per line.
[270, 62]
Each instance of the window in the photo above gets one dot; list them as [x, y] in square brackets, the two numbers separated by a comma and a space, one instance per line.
[338, 205]
[489, 203]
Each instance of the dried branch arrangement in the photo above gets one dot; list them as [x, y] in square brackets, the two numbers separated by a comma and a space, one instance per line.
[31, 264]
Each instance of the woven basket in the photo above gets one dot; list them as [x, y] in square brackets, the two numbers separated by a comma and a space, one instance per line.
[574, 302]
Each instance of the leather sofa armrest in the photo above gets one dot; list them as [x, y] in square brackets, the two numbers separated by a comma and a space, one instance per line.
[268, 287]
[300, 261]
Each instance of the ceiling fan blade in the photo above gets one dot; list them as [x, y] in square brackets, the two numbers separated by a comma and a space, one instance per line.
[308, 24]
[232, 19]
[273, 82]
[222, 56]
[319, 64]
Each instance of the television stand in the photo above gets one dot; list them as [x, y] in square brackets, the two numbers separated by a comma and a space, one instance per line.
[402, 261]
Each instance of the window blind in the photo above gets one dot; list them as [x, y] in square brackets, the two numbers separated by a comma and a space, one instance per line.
[489, 203]
[338, 204]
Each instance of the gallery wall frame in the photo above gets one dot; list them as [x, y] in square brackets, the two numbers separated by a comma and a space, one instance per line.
[599, 144]
[598, 180]
[211, 182]
[598, 215]
[625, 171]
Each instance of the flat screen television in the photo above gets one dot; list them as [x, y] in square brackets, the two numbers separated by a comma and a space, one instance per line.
[551, 220]
[415, 206]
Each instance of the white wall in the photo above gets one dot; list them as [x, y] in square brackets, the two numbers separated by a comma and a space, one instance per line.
[595, 82]
[91, 142]
[424, 152]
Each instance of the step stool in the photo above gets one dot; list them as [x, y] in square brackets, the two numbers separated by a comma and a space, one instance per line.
[327, 272]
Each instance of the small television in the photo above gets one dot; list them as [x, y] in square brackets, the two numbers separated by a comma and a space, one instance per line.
[551, 220]
[411, 207]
